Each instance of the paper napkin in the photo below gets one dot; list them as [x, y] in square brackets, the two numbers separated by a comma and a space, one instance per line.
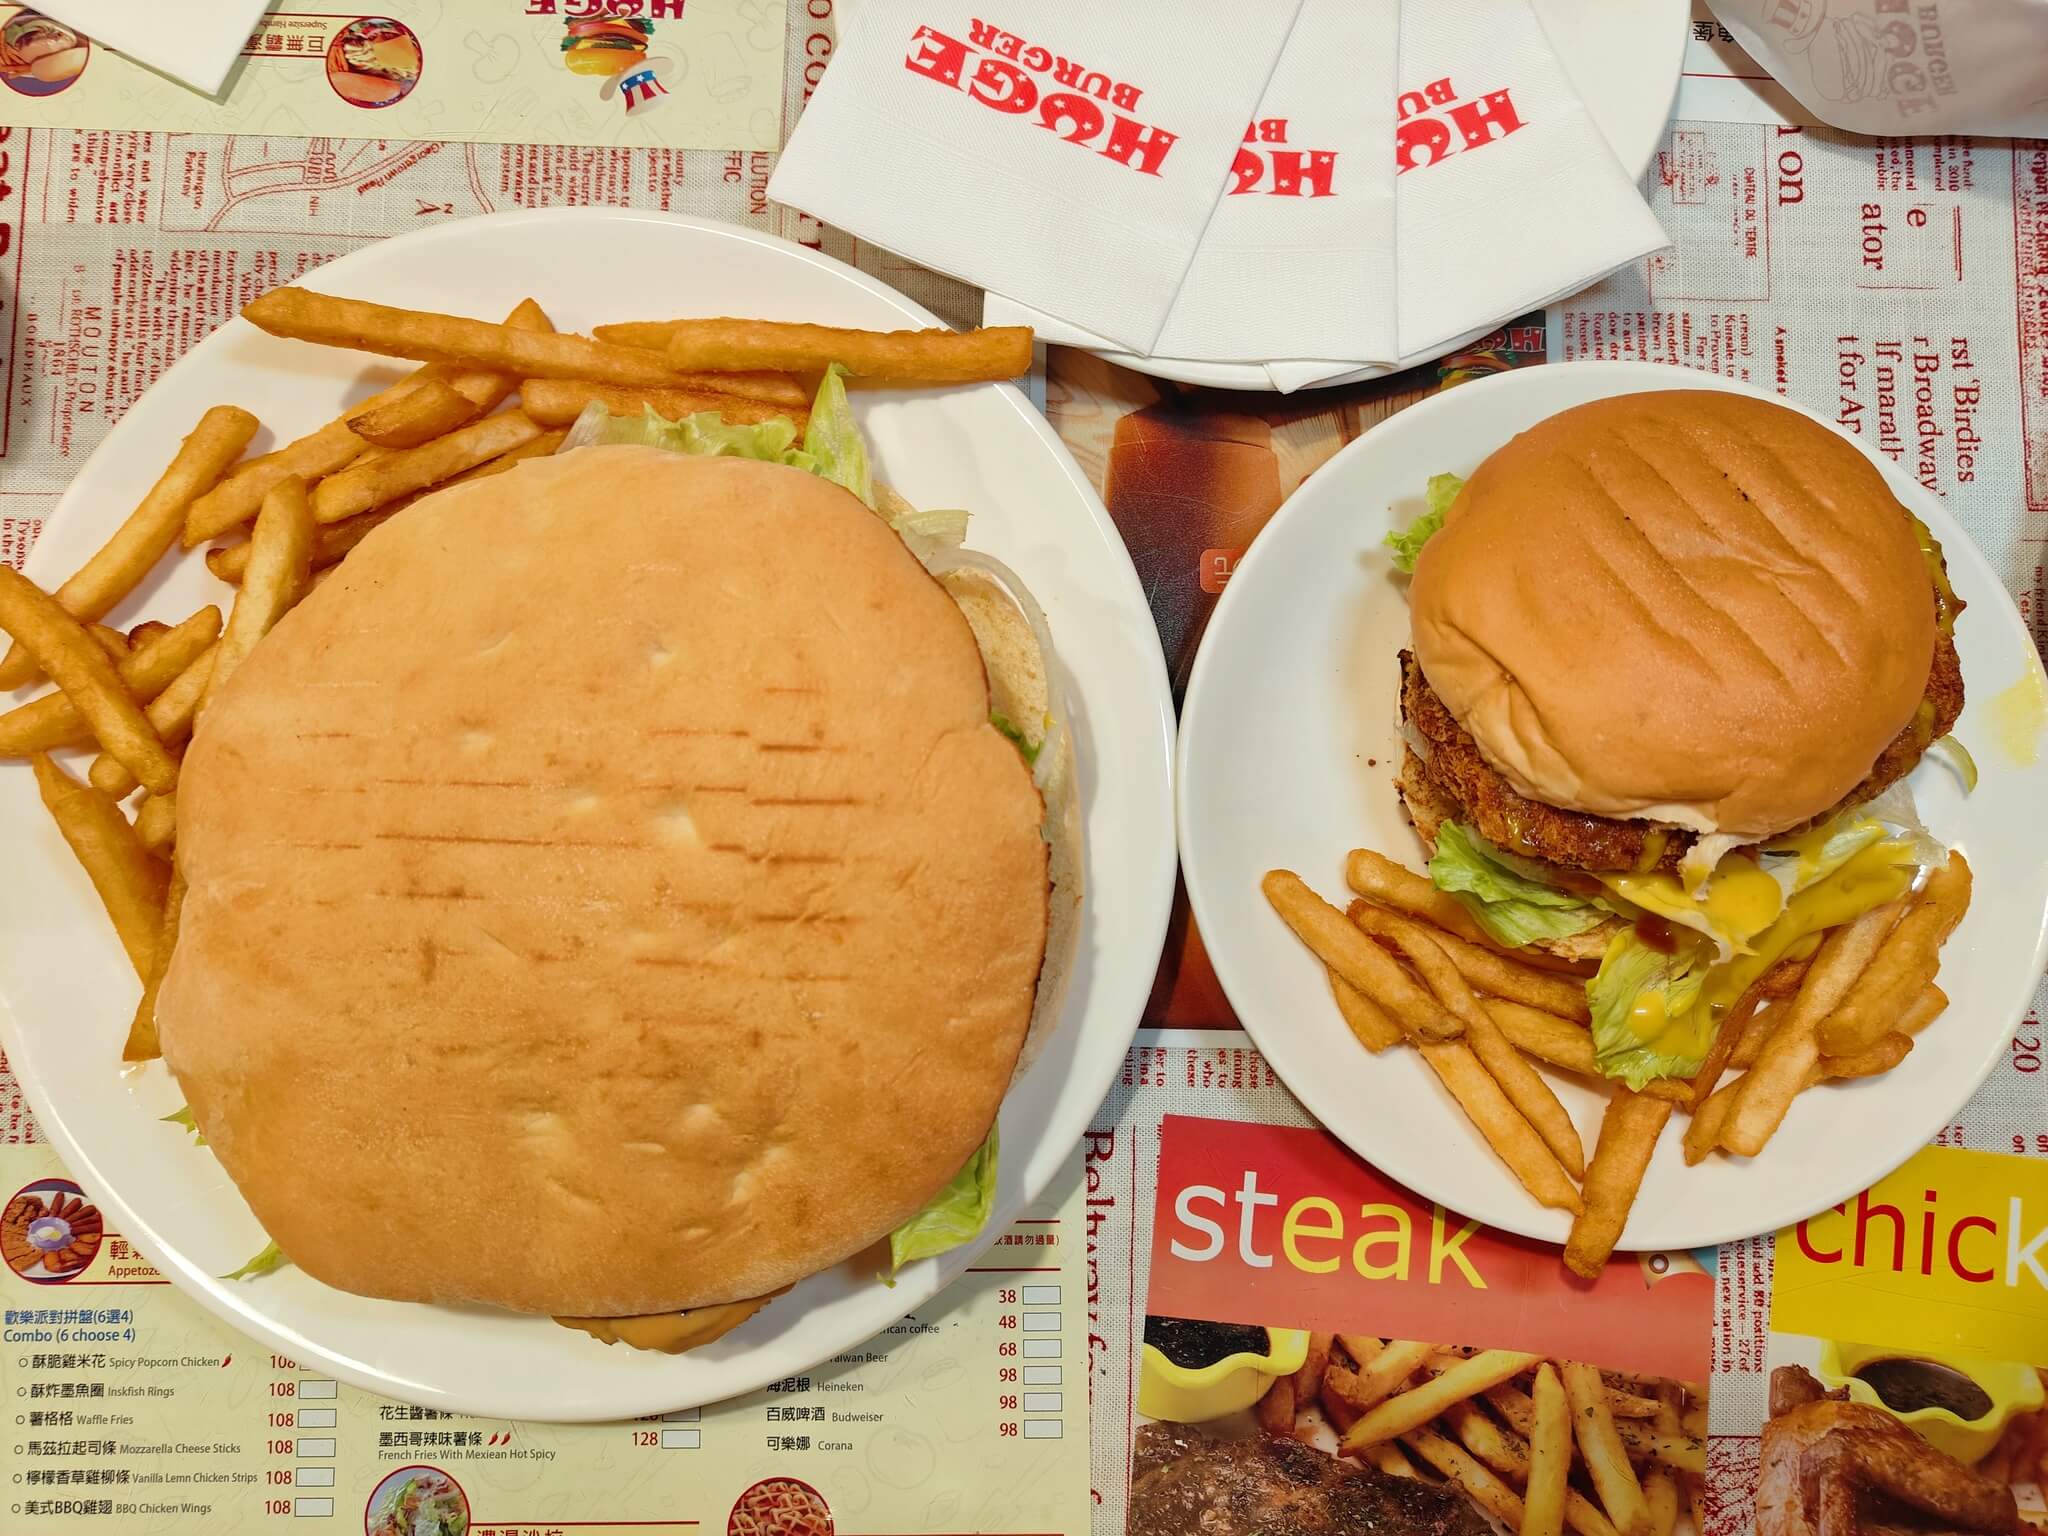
[1298, 258]
[197, 44]
[1506, 193]
[1066, 155]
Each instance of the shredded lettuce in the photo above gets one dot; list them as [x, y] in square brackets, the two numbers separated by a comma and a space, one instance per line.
[1512, 907]
[955, 1215]
[833, 440]
[271, 1258]
[1630, 973]
[1026, 748]
[705, 432]
[183, 1116]
[1406, 543]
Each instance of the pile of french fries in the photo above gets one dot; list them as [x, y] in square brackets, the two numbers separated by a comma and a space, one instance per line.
[1507, 1429]
[1409, 965]
[487, 396]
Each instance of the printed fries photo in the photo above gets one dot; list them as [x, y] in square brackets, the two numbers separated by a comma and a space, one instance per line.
[1241, 1423]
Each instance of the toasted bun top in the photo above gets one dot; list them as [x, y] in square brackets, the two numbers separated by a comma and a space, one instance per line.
[1688, 606]
[607, 894]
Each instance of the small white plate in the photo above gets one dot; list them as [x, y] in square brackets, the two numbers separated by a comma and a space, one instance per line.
[1623, 57]
[66, 992]
[1288, 747]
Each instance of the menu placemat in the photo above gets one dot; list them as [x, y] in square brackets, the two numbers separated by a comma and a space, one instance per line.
[125, 1407]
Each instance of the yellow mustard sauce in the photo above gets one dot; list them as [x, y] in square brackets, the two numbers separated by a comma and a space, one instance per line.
[2018, 715]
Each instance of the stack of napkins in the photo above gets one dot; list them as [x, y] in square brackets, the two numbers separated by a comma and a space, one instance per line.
[1211, 181]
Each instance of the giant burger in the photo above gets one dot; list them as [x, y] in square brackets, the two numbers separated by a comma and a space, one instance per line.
[628, 885]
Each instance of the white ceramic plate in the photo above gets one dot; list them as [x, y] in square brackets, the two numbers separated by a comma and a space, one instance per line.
[1624, 58]
[1289, 742]
[66, 992]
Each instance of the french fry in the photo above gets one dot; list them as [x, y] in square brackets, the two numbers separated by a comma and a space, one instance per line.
[156, 822]
[1628, 1136]
[1783, 979]
[365, 487]
[1606, 1458]
[1703, 1131]
[53, 721]
[1767, 1090]
[141, 1044]
[419, 415]
[1756, 1029]
[1308, 1381]
[1874, 1060]
[129, 881]
[1500, 1449]
[1489, 972]
[1385, 1373]
[1467, 1475]
[110, 640]
[1365, 1018]
[170, 714]
[1275, 1409]
[1624, 1404]
[1361, 1347]
[1660, 1493]
[148, 629]
[487, 388]
[238, 498]
[331, 542]
[1564, 1043]
[118, 566]
[1340, 1382]
[1550, 1456]
[59, 647]
[304, 315]
[1345, 950]
[1398, 888]
[1907, 961]
[536, 448]
[1522, 1084]
[1387, 1457]
[279, 560]
[557, 402]
[932, 356]
[1410, 1410]
[1727, 1034]
[1512, 1138]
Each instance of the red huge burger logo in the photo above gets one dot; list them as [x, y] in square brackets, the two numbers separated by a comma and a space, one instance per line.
[1008, 75]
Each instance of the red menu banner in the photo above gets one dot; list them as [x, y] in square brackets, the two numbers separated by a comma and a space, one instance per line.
[1266, 1224]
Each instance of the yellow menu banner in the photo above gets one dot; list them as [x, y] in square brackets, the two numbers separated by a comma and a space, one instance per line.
[126, 1408]
[684, 74]
[1948, 1252]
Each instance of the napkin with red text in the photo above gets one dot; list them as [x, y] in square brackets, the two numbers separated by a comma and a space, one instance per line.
[1506, 193]
[1068, 156]
[1298, 258]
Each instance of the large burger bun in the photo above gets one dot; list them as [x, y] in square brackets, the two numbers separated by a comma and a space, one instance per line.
[1687, 606]
[608, 895]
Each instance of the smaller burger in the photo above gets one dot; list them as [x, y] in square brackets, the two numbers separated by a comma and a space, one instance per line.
[1673, 656]
[605, 45]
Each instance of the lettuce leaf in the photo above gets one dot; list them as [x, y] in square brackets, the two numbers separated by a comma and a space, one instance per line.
[833, 441]
[1026, 748]
[705, 432]
[1629, 972]
[183, 1116]
[1406, 543]
[1507, 904]
[955, 1216]
[271, 1258]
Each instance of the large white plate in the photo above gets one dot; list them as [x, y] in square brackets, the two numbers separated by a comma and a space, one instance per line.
[1289, 741]
[1624, 58]
[66, 992]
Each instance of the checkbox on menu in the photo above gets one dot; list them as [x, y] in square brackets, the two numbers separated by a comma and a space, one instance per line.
[315, 1389]
[313, 1477]
[314, 1509]
[1041, 1295]
[1041, 1349]
[1041, 1429]
[1041, 1375]
[1041, 1402]
[315, 1445]
[314, 1418]
[681, 1439]
[1041, 1322]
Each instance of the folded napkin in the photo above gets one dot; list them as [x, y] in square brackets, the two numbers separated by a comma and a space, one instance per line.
[1298, 258]
[1070, 163]
[197, 44]
[1506, 193]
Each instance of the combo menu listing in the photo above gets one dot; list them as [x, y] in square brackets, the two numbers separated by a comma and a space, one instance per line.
[127, 1408]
